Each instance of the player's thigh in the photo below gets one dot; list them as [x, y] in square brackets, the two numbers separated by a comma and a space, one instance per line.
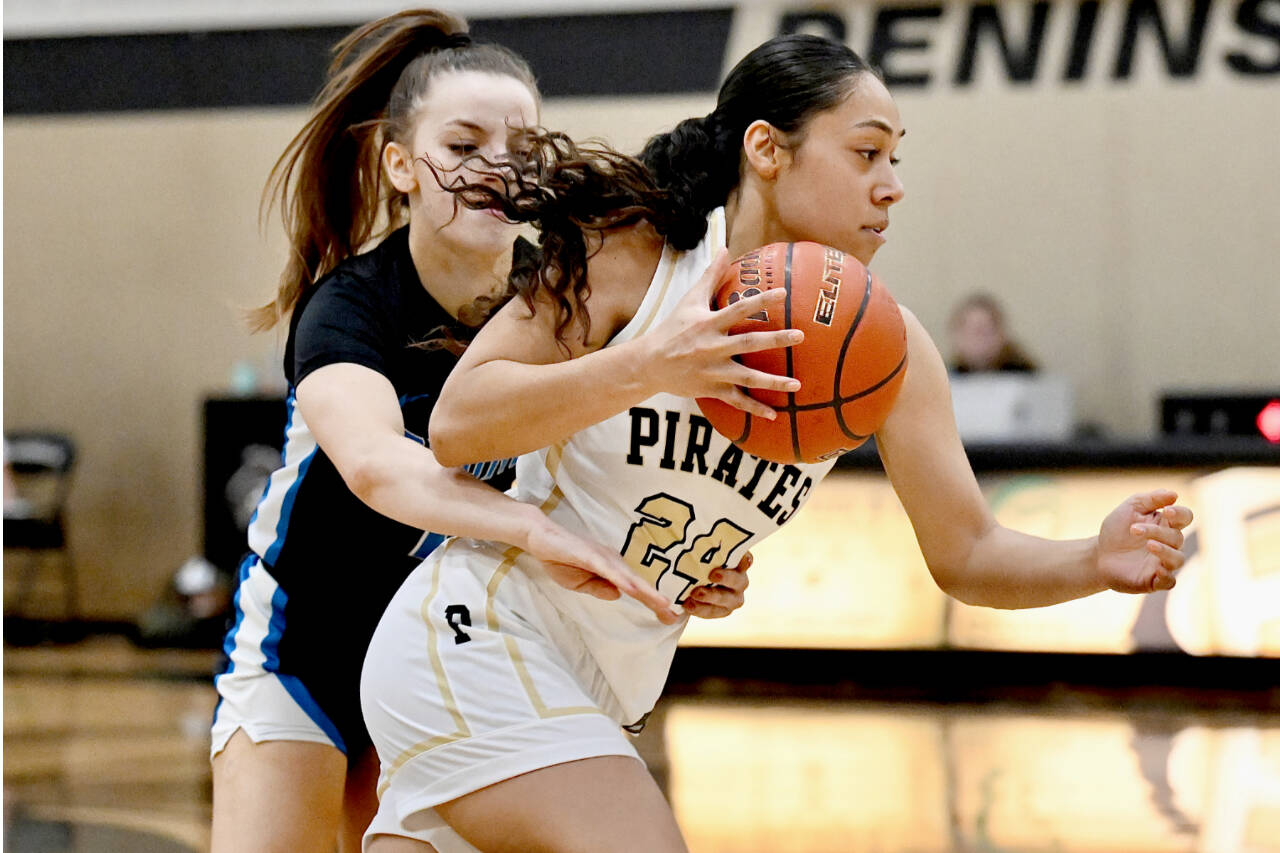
[397, 844]
[359, 800]
[276, 796]
[604, 803]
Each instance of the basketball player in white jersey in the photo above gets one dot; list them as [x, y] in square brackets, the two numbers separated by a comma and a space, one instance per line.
[494, 698]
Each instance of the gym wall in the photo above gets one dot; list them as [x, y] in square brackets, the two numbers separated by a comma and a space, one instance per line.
[1106, 169]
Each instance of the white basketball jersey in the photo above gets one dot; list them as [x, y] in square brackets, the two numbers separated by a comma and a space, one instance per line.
[661, 486]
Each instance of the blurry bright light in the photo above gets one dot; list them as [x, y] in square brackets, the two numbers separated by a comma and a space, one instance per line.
[1269, 421]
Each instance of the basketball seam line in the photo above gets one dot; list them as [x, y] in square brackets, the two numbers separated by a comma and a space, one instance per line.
[844, 351]
[840, 401]
[791, 395]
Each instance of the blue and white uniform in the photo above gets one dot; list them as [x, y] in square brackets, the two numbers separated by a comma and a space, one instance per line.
[484, 668]
[323, 564]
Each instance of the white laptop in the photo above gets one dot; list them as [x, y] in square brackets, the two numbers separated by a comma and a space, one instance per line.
[1012, 406]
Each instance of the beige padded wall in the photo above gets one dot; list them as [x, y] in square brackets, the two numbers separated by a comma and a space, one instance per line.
[1131, 230]
[130, 242]
[1131, 234]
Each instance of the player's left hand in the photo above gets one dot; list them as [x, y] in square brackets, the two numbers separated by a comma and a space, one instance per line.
[581, 565]
[1140, 543]
[725, 594]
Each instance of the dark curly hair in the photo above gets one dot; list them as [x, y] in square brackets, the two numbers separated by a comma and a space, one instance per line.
[571, 191]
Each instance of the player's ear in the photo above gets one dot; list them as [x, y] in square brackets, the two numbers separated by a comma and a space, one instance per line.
[760, 142]
[398, 164]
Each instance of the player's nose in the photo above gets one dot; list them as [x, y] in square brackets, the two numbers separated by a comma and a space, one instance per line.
[890, 190]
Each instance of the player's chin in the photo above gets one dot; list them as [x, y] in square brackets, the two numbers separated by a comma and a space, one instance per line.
[861, 245]
[485, 232]
[865, 246]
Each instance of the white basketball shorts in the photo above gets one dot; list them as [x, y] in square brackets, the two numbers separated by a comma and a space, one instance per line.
[472, 678]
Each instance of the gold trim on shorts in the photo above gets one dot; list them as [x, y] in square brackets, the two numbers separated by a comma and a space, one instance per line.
[437, 665]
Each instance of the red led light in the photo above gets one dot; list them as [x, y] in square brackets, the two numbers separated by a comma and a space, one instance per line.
[1269, 421]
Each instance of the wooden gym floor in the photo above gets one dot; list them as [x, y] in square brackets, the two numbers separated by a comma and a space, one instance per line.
[106, 749]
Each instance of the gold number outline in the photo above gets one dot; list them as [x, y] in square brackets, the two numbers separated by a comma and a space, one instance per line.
[664, 523]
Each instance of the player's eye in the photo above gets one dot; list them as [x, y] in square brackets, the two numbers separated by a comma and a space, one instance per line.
[872, 153]
[462, 149]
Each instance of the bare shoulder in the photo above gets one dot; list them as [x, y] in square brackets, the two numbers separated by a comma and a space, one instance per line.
[919, 341]
[909, 319]
[621, 266]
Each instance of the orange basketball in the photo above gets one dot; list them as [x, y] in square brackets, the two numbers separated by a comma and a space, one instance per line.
[850, 364]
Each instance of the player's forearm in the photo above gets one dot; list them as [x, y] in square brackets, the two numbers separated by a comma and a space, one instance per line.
[1008, 569]
[501, 409]
[407, 484]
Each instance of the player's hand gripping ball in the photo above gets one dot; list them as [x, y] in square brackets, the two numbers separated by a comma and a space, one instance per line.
[850, 364]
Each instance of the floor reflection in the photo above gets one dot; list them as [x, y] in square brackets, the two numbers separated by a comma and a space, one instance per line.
[105, 749]
[818, 776]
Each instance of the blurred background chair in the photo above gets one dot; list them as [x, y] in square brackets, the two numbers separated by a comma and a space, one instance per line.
[38, 467]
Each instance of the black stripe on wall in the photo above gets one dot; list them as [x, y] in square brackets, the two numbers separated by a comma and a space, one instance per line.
[641, 53]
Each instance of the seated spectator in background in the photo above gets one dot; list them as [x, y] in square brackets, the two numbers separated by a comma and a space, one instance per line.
[979, 342]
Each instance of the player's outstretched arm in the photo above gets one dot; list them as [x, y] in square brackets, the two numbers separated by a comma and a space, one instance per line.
[970, 555]
[355, 416]
[517, 389]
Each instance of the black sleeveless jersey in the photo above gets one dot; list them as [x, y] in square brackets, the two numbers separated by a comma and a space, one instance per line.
[309, 528]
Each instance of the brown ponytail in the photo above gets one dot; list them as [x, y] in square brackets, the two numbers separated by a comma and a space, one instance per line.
[328, 181]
